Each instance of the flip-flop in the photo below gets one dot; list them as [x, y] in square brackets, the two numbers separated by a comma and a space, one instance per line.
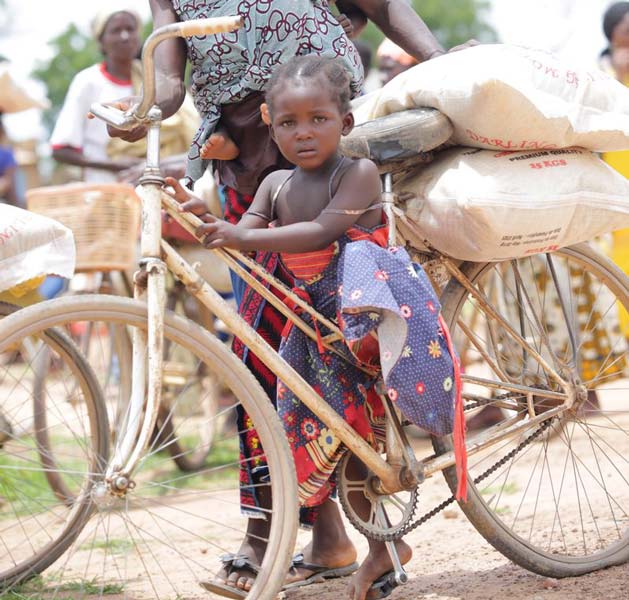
[382, 587]
[319, 572]
[231, 562]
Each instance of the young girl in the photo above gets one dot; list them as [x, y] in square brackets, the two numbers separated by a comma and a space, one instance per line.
[326, 218]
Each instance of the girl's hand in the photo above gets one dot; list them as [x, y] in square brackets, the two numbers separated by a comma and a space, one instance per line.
[188, 202]
[217, 233]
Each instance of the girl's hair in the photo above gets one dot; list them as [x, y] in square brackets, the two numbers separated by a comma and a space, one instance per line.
[309, 67]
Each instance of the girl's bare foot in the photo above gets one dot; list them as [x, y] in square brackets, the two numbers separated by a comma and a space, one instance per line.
[219, 146]
[374, 566]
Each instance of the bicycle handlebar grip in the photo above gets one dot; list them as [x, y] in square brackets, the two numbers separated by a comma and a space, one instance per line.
[113, 116]
[210, 26]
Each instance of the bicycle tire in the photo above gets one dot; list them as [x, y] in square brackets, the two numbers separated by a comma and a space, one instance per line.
[188, 508]
[581, 439]
[19, 455]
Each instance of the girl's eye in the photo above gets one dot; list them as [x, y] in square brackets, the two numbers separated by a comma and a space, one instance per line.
[319, 119]
[287, 123]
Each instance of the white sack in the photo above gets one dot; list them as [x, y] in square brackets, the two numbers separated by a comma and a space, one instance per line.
[483, 205]
[31, 246]
[511, 98]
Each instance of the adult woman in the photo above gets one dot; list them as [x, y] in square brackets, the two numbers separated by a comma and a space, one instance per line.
[83, 142]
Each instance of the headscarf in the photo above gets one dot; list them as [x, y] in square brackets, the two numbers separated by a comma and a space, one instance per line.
[102, 18]
[390, 50]
[613, 15]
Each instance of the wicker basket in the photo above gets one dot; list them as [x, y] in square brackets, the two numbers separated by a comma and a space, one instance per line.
[104, 219]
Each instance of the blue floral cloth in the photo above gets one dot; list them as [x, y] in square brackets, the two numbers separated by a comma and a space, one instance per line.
[383, 291]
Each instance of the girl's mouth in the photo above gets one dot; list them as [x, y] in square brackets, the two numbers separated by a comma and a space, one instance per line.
[305, 152]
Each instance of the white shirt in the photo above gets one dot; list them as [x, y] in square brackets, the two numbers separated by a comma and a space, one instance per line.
[75, 130]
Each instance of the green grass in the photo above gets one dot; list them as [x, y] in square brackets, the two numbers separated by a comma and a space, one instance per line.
[164, 471]
[23, 483]
[111, 546]
[39, 588]
[509, 489]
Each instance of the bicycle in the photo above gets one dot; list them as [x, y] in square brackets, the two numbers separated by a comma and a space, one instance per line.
[558, 507]
[101, 216]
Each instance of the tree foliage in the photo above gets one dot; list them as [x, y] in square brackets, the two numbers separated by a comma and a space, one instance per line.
[453, 22]
[72, 52]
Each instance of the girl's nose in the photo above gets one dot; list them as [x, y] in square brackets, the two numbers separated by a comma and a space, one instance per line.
[304, 133]
[124, 35]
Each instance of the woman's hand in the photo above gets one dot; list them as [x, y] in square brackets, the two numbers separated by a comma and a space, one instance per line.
[128, 135]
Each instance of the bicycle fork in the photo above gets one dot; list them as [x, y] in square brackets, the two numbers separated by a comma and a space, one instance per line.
[143, 406]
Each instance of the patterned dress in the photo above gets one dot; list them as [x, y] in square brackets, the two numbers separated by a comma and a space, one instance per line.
[367, 289]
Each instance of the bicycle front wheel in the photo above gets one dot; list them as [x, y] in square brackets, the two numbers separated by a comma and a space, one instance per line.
[168, 532]
[37, 524]
[557, 504]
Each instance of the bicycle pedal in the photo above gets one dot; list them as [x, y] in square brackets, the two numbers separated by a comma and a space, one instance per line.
[398, 576]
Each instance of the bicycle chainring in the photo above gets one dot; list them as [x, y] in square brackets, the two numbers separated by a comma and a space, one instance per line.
[389, 516]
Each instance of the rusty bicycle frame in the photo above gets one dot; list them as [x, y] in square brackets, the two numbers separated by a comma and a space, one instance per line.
[397, 471]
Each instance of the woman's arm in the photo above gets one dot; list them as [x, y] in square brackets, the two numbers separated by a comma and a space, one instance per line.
[170, 65]
[170, 61]
[72, 156]
[400, 23]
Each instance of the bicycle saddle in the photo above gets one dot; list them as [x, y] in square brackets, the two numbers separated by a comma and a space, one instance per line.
[398, 136]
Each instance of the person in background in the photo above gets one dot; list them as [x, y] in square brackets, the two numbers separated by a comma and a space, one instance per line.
[77, 140]
[8, 170]
[392, 60]
[615, 61]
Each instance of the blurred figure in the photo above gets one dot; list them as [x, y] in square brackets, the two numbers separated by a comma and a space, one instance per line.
[8, 170]
[392, 60]
[366, 55]
[77, 140]
[615, 60]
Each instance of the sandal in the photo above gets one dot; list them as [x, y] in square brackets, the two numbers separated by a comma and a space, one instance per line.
[382, 587]
[231, 563]
[319, 572]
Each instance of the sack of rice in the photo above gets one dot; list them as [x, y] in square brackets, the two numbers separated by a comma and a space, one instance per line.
[483, 205]
[32, 246]
[511, 98]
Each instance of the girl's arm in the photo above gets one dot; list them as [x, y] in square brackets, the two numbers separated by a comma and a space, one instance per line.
[359, 188]
[400, 23]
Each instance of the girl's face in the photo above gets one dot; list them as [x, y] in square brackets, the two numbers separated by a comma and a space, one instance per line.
[121, 39]
[307, 124]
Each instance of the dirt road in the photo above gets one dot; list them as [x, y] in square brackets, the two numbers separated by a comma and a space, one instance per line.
[453, 562]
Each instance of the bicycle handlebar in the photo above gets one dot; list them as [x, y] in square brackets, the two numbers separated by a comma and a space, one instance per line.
[137, 114]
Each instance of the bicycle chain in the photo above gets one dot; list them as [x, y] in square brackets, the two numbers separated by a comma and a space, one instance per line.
[437, 509]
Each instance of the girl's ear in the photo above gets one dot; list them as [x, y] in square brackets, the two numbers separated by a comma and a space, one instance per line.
[348, 123]
[264, 112]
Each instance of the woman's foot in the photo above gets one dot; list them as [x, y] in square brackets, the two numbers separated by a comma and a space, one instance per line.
[323, 561]
[219, 146]
[239, 570]
[330, 549]
[374, 566]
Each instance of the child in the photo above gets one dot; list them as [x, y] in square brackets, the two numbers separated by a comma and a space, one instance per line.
[318, 210]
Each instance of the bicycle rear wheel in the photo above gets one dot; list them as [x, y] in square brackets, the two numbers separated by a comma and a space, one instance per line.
[36, 524]
[169, 531]
[557, 505]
